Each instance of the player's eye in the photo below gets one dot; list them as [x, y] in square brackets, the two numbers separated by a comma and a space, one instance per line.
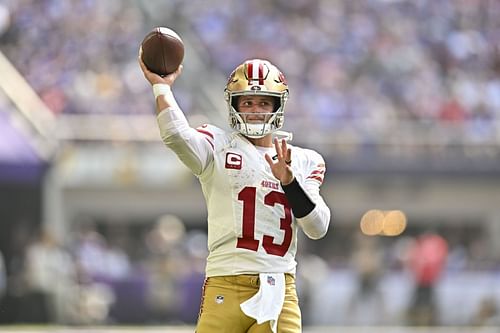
[246, 103]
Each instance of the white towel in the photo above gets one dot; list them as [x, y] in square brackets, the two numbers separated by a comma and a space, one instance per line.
[267, 303]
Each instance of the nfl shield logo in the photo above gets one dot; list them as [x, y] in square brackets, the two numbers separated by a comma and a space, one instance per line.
[270, 280]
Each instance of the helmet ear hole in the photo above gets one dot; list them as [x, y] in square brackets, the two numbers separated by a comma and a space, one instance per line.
[277, 103]
[234, 102]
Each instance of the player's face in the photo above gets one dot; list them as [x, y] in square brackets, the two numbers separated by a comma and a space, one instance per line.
[255, 109]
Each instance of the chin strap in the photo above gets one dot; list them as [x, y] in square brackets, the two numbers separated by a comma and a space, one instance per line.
[288, 136]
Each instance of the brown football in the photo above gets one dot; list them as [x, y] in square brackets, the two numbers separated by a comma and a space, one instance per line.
[162, 51]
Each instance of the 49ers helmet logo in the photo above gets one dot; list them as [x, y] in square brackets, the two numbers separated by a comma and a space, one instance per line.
[282, 79]
[256, 72]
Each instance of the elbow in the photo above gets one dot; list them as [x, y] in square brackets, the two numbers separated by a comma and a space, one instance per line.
[322, 225]
[316, 225]
[173, 140]
[317, 236]
[173, 133]
[170, 138]
[318, 233]
[176, 143]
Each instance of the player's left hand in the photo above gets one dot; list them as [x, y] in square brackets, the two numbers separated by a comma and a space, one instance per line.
[281, 169]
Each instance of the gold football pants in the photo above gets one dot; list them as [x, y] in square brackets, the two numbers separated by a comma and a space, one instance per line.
[220, 310]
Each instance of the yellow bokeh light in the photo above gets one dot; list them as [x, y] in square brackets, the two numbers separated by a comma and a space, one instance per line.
[383, 223]
[372, 222]
[394, 223]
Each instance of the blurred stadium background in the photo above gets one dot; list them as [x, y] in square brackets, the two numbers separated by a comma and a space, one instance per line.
[100, 225]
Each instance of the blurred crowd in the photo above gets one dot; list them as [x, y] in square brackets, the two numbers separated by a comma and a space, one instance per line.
[370, 64]
[79, 56]
[104, 274]
[376, 63]
[152, 273]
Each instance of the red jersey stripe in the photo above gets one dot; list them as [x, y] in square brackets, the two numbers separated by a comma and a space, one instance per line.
[206, 133]
[320, 179]
[211, 144]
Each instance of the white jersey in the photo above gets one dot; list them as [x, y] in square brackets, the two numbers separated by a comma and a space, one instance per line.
[251, 227]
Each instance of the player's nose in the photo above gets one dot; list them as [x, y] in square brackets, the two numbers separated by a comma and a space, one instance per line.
[257, 108]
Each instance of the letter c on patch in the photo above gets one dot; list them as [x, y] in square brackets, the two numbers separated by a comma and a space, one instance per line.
[233, 161]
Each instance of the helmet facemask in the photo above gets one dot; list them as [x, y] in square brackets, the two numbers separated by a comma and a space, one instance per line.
[257, 78]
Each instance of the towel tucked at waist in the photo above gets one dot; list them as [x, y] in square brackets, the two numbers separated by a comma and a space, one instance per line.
[267, 303]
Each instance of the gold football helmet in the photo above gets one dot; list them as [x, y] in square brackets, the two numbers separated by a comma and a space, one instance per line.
[256, 77]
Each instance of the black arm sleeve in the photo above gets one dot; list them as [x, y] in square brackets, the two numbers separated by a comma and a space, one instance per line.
[298, 199]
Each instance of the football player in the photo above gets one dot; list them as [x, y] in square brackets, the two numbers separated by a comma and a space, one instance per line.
[259, 190]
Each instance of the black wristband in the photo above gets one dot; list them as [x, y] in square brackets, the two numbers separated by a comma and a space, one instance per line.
[298, 199]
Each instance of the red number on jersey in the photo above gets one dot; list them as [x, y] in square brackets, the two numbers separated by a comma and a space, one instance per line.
[247, 195]
[248, 241]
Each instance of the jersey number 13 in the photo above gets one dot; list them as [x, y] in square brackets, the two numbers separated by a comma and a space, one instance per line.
[248, 195]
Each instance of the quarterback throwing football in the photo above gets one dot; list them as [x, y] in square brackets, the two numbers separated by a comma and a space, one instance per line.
[259, 191]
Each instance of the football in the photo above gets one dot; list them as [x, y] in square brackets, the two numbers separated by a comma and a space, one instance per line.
[162, 51]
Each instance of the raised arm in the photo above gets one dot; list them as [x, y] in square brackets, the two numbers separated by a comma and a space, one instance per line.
[189, 145]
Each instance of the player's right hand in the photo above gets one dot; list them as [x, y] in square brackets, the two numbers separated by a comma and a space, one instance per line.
[154, 78]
